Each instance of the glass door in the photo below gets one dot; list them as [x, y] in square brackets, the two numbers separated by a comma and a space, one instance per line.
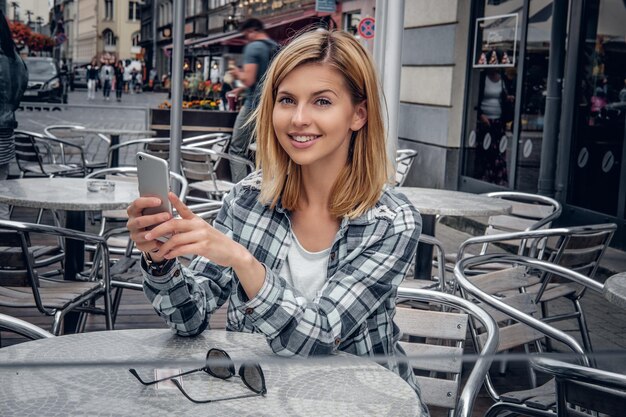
[597, 151]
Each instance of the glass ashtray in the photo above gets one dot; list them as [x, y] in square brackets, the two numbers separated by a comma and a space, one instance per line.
[100, 186]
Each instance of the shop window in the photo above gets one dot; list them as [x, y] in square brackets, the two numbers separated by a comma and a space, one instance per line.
[488, 141]
[351, 21]
[600, 111]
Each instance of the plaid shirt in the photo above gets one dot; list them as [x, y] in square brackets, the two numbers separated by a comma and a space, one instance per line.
[354, 311]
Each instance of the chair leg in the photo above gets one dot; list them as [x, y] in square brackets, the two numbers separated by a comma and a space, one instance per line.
[117, 298]
[584, 330]
[57, 323]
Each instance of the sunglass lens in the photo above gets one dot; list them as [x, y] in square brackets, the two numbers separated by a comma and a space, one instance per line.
[223, 367]
[252, 375]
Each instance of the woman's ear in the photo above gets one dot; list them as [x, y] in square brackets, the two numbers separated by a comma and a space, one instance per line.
[360, 116]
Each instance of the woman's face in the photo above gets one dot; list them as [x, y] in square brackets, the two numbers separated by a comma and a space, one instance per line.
[314, 117]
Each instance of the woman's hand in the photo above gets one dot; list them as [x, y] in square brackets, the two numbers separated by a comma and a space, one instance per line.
[192, 235]
[138, 223]
[485, 120]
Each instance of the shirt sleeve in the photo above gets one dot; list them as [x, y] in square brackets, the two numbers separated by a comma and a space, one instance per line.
[186, 297]
[253, 53]
[367, 278]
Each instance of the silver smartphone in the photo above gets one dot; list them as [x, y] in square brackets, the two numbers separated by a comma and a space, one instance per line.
[153, 175]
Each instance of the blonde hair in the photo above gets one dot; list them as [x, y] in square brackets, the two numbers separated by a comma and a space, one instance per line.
[360, 183]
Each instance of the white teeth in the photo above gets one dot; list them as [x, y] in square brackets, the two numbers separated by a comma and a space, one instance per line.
[303, 139]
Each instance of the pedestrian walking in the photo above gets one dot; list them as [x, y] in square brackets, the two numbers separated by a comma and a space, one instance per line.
[310, 250]
[106, 76]
[13, 82]
[119, 80]
[257, 55]
[92, 79]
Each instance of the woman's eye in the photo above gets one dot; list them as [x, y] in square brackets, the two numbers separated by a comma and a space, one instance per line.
[323, 102]
[285, 100]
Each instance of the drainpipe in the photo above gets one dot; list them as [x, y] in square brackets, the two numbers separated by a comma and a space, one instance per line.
[550, 139]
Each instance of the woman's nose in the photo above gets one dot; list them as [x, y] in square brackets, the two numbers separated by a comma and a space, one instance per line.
[301, 116]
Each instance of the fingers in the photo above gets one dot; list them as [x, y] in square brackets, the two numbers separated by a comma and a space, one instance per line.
[136, 207]
[180, 207]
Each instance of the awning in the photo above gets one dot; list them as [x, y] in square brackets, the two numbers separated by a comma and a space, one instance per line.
[280, 29]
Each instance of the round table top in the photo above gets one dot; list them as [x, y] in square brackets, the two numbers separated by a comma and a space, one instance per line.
[615, 289]
[65, 194]
[432, 201]
[338, 385]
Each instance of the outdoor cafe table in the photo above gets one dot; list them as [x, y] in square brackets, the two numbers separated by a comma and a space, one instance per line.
[432, 202]
[614, 289]
[71, 195]
[336, 385]
[115, 137]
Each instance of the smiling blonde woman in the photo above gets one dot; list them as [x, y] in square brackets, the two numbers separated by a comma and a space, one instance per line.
[310, 249]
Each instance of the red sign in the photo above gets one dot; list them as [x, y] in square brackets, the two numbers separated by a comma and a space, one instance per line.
[366, 27]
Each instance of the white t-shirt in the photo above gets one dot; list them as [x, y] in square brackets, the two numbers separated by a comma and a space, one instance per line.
[306, 271]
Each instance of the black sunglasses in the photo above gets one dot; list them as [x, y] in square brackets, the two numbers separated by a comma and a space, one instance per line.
[219, 365]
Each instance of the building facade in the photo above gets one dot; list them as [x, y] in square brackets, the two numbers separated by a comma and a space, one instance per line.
[526, 95]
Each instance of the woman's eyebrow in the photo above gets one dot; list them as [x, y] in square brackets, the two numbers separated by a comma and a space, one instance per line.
[315, 93]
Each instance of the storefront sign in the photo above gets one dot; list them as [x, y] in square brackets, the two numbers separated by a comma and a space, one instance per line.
[496, 41]
[325, 6]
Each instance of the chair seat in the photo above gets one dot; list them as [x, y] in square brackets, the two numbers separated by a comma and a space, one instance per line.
[54, 294]
[218, 186]
[419, 283]
[542, 397]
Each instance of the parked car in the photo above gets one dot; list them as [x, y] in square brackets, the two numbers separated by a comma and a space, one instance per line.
[46, 82]
[79, 77]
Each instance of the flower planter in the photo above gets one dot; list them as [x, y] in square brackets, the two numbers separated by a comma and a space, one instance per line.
[195, 122]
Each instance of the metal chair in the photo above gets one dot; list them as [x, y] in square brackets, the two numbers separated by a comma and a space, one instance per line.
[434, 340]
[35, 156]
[23, 328]
[519, 326]
[199, 165]
[582, 388]
[160, 146]
[529, 212]
[404, 160]
[92, 145]
[579, 248]
[48, 294]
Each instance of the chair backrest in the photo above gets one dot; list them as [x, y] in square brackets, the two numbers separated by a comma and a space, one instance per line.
[23, 328]
[593, 390]
[404, 160]
[92, 144]
[32, 147]
[128, 149]
[28, 151]
[197, 162]
[434, 341]
[501, 294]
[529, 212]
